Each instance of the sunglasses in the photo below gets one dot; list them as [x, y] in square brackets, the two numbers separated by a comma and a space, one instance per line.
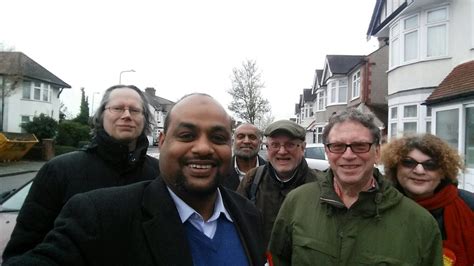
[428, 165]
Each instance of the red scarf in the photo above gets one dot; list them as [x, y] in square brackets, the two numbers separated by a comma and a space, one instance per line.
[458, 223]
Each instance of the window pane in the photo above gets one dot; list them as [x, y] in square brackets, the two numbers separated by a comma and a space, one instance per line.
[395, 30]
[409, 127]
[410, 111]
[46, 94]
[411, 23]
[342, 91]
[447, 126]
[24, 119]
[428, 111]
[393, 129]
[37, 95]
[394, 112]
[470, 137]
[395, 52]
[333, 92]
[437, 15]
[436, 41]
[428, 127]
[411, 46]
[26, 90]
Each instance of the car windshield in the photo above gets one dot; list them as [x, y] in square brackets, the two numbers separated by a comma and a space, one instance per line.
[315, 153]
[15, 202]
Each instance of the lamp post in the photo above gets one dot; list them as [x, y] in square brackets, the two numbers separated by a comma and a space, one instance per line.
[124, 71]
[92, 105]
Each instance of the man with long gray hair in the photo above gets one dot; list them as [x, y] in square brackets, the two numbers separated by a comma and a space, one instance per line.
[116, 156]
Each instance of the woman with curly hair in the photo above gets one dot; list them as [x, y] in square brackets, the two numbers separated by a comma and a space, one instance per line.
[425, 169]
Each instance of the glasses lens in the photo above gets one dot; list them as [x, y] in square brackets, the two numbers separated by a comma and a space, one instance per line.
[360, 147]
[408, 163]
[337, 147]
[430, 165]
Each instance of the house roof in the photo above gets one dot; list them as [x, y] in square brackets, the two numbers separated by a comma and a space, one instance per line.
[318, 75]
[17, 63]
[342, 64]
[158, 102]
[460, 82]
[308, 96]
[375, 25]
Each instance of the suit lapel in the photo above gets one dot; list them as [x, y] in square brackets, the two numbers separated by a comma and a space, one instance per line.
[162, 227]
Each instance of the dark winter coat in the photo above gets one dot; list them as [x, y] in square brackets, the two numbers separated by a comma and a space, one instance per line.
[134, 225]
[104, 163]
[271, 192]
[232, 181]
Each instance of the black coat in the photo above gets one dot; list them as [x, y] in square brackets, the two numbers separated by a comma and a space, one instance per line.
[104, 163]
[134, 225]
[232, 181]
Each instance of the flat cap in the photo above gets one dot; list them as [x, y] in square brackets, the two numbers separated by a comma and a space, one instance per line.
[286, 126]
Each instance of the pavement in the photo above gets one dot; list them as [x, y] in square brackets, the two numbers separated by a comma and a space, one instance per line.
[23, 167]
[19, 167]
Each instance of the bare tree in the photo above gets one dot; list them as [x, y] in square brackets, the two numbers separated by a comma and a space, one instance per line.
[247, 101]
[265, 120]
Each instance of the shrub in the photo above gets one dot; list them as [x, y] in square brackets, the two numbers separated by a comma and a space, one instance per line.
[44, 127]
[70, 133]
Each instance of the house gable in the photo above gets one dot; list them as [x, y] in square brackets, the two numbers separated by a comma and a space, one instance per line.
[18, 64]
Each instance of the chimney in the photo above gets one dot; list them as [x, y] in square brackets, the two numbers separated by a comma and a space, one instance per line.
[150, 91]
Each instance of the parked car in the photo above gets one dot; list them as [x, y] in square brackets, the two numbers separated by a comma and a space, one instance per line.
[316, 156]
[9, 211]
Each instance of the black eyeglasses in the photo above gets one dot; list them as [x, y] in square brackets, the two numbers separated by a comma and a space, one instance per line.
[121, 110]
[428, 165]
[289, 146]
[356, 147]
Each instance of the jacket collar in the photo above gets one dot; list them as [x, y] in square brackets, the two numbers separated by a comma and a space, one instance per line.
[116, 153]
[370, 203]
[163, 228]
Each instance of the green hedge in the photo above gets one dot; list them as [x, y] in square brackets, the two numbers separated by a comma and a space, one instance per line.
[72, 133]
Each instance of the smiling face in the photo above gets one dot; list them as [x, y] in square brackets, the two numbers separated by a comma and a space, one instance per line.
[124, 127]
[285, 154]
[351, 168]
[195, 150]
[246, 141]
[418, 182]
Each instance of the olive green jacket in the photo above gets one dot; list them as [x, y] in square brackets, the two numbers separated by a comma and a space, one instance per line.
[381, 228]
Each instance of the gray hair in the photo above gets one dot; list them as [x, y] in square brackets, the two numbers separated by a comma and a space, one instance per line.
[98, 118]
[351, 114]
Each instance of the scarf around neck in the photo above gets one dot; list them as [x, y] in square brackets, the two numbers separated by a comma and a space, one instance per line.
[458, 223]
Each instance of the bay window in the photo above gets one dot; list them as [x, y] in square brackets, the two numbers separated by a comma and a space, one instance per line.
[420, 36]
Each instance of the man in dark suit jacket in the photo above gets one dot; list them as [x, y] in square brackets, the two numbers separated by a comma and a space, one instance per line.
[247, 143]
[181, 218]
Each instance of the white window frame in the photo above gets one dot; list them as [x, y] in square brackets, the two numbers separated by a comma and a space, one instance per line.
[405, 33]
[394, 55]
[398, 32]
[335, 91]
[410, 119]
[321, 100]
[437, 24]
[356, 85]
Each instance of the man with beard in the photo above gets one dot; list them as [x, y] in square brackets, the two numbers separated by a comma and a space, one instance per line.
[182, 218]
[247, 142]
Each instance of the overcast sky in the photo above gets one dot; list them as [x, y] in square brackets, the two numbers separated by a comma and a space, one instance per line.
[184, 46]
